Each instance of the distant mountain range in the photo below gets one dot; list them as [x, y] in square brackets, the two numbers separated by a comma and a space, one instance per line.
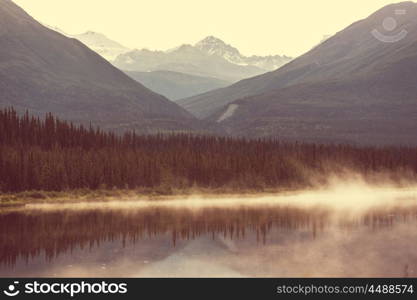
[179, 59]
[44, 71]
[174, 85]
[357, 86]
[210, 57]
[217, 62]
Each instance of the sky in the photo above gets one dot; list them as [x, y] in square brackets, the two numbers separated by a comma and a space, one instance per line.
[260, 27]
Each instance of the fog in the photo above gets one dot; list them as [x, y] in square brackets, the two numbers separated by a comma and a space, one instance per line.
[344, 228]
[353, 195]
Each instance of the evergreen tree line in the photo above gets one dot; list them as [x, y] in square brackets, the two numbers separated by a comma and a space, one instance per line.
[50, 154]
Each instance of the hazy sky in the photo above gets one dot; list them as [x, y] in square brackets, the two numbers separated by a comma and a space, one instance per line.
[253, 26]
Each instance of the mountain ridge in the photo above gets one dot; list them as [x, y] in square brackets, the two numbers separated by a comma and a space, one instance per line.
[44, 71]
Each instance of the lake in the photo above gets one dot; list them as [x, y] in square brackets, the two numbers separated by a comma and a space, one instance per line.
[351, 231]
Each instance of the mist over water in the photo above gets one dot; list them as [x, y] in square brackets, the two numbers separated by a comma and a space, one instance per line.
[347, 228]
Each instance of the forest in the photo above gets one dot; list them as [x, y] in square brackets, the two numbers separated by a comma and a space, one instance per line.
[54, 155]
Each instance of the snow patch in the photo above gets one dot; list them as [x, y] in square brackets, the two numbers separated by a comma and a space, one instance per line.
[231, 109]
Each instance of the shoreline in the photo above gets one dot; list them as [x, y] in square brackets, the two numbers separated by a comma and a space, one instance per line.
[85, 196]
[19, 199]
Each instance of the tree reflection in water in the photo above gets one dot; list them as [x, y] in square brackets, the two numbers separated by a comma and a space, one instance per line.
[28, 234]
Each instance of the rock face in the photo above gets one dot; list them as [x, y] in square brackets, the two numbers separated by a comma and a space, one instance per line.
[44, 71]
[357, 86]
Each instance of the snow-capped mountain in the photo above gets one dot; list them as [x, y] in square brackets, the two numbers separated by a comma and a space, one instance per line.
[211, 57]
[215, 46]
[101, 44]
[97, 42]
[185, 59]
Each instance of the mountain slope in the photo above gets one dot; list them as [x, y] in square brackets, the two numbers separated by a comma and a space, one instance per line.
[174, 85]
[44, 71]
[352, 87]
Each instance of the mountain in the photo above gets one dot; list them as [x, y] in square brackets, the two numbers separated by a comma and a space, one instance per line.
[203, 59]
[44, 71]
[101, 44]
[174, 85]
[184, 59]
[214, 46]
[97, 42]
[353, 87]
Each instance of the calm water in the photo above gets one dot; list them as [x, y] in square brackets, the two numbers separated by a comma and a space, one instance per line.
[253, 237]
